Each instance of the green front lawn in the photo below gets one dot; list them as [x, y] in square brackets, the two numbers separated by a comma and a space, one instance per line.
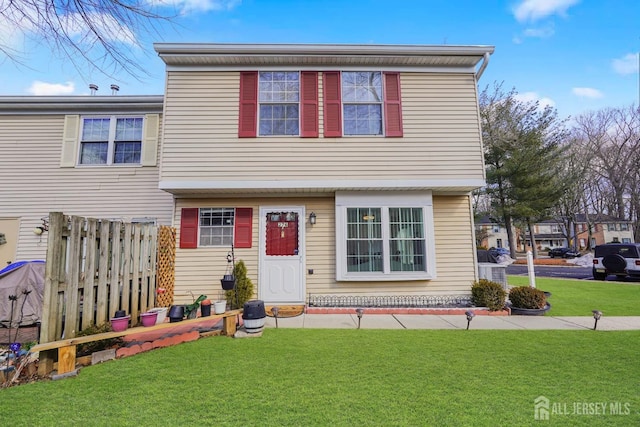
[307, 377]
[579, 297]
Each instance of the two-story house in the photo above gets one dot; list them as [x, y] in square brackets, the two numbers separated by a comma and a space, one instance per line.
[334, 169]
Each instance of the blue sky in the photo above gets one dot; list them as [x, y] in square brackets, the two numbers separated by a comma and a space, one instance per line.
[576, 55]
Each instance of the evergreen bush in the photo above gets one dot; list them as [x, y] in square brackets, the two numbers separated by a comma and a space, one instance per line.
[485, 293]
[244, 287]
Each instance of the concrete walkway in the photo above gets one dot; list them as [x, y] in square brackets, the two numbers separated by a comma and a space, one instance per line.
[410, 321]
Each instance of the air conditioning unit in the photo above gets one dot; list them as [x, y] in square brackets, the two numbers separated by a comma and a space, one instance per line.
[494, 272]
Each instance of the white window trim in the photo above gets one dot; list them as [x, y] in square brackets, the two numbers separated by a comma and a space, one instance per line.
[111, 141]
[382, 105]
[272, 103]
[233, 229]
[384, 200]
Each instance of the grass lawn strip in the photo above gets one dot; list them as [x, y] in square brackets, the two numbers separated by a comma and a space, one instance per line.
[347, 377]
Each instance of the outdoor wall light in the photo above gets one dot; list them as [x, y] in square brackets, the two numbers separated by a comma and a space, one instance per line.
[41, 228]
[359, 312]
[470, 315]
[597, 314]
[312, 218]
[275, 311]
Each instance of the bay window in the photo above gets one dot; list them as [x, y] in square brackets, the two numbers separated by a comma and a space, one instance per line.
[384, 237]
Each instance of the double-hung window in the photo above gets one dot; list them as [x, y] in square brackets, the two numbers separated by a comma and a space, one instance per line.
[362, 103]
[111, 140]
[384, 237]
[216, 226]
[279, 97]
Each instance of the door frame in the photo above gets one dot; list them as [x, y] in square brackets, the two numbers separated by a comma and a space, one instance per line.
[262, 246]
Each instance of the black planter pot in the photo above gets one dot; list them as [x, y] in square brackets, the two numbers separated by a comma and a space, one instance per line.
[530, 311]
[120, 313]
[228, 282]
[176, 313]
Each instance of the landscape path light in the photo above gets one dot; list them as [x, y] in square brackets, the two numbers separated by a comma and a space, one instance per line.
[470, 315]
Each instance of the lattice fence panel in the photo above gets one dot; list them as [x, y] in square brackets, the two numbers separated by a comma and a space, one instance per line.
[166, 265]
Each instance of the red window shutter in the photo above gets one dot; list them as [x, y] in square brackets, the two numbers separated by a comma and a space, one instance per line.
[189, 228]
[392, 105]
[247, 122]
[309, 104]
[243, 223]
[332, 104]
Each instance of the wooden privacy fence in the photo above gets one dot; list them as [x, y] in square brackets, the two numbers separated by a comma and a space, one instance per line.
[96, 267]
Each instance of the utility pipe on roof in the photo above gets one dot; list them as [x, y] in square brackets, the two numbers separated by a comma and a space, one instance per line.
[483, 66]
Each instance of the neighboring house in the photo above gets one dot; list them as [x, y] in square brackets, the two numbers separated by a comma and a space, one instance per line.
[550, 234]
[83, 155]
[380, 145]
[491, 233]
[605, 229]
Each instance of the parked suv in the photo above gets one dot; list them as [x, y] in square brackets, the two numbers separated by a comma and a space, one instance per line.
[563, 253]
[621, 259]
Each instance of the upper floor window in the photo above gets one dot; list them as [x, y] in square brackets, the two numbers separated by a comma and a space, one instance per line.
[362, 103]
[111, 140]
[278, 97]
[611, 227]
[555, 228]
[496, 228]
[624, 226]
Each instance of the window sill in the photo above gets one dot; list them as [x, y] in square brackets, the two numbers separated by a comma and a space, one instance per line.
[391, 277]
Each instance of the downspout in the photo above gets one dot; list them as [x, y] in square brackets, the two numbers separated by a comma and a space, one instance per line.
[483, 66]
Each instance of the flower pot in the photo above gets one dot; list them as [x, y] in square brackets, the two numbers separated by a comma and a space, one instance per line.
[162, 314]
[205, 309]
[149, 318]
[530, 311]
[220, 307]
[176, 313]
[228, 282]
[119, 324]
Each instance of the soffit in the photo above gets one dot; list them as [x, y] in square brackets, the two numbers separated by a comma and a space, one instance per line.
[321, 55]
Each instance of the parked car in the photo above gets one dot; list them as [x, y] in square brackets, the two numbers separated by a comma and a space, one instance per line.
[563, 253]
[621, 259]
[499, 251]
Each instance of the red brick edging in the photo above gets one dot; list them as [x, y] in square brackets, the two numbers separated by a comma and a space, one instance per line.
[480, 311]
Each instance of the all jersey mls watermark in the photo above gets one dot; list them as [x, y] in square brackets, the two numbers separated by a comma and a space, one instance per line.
[543, 408]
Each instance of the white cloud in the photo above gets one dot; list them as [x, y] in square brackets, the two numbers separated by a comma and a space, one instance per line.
[541, 33]
[39, 88]
[628, 64]
[534, 97]
[532, 10]
[587, 92]
[190, 6]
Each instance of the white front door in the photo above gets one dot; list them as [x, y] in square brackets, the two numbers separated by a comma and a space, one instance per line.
[281, 254]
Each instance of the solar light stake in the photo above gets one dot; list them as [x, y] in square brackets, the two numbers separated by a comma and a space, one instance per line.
[597, 314]
[275, 310]
[470, 315]
[359, 312]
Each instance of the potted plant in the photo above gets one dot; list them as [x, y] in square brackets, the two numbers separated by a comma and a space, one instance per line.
[528, 301]
[485, 293]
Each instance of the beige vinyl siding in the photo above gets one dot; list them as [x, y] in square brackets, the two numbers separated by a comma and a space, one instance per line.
[441, 136]
[198, 271]
[34, 184]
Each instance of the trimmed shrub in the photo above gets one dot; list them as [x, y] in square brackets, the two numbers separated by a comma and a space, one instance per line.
[485, 293]
[527, 297]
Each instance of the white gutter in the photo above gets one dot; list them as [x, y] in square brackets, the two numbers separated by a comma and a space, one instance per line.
[483, 66]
